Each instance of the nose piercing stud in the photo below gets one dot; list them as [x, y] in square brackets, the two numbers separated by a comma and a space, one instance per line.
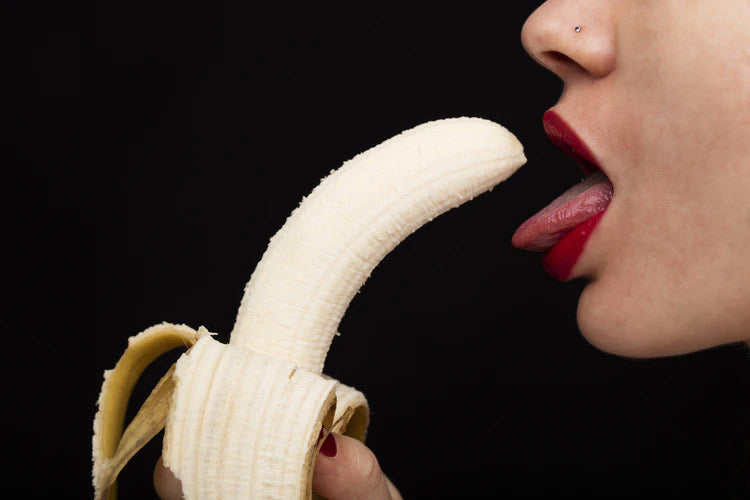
[578, 29]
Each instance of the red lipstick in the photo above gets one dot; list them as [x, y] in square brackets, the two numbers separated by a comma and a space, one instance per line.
[559, 260]
[568, 142]
[563, 227]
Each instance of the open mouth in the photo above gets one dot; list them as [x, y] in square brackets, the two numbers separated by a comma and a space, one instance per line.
[562, 228]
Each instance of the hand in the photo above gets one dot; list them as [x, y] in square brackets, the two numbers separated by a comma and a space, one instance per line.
[345, 469]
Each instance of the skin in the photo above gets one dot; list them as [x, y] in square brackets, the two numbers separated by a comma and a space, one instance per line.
[352, 473]
[660, 92]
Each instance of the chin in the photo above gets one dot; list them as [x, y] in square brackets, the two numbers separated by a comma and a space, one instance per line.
[607, 322]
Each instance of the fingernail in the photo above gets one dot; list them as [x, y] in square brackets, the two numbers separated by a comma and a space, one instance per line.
[329, 446]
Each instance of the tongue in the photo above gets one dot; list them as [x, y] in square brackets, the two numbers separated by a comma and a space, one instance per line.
[578, 204]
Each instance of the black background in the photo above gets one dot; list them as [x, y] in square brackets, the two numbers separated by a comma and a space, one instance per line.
[154, 149]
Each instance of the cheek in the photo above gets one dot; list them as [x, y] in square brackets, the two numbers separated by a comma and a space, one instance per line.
[650, 299]
[671, 274]
[668, 270]
[667, 267]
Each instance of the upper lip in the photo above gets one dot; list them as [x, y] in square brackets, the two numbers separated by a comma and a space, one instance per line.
[564, 137]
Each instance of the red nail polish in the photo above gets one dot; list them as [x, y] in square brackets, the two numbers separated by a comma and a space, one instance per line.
[329, 446]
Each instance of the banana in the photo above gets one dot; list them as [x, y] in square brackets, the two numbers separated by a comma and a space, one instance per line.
[245, 419]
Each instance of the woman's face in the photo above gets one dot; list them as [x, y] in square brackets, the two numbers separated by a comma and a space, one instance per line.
[659, 90]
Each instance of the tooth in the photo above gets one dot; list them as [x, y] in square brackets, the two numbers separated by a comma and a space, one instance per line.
[244, 418]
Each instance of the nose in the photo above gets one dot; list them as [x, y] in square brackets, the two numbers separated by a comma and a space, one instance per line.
[572, 37]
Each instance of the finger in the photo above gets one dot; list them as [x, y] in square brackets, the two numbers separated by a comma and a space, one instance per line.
[167, 486]
[347, 469]
[352, 472]
[395, 495]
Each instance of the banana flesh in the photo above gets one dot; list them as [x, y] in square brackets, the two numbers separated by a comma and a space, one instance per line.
[330, 244]
[222, 446]
[244, 419]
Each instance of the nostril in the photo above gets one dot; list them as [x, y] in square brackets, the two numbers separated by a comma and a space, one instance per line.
[559, 59]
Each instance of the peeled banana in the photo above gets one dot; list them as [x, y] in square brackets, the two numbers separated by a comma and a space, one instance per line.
[243, 420]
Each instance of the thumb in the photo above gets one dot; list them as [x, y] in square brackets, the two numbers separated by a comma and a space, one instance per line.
[347, 469]
[166, 485]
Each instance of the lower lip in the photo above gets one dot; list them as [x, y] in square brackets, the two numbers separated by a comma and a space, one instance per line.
[559, 260]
